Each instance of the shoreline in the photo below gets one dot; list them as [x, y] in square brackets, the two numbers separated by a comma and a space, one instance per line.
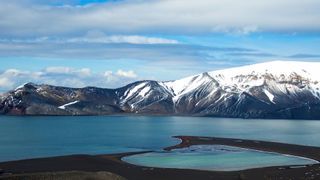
[113, 163]
[256, 145]
[156, 115]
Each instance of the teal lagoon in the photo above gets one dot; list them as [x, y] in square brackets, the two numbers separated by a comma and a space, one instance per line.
[215, 158]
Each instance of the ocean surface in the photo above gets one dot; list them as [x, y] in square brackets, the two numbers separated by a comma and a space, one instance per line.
[31, 137]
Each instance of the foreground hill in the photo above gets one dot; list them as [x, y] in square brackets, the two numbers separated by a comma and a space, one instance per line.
[279, 89]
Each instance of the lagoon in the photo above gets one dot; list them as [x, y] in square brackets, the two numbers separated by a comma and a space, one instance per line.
[215, 158]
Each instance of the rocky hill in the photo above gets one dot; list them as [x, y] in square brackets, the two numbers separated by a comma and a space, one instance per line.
[278, 89]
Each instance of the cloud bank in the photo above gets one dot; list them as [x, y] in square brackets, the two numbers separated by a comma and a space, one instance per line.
[66, 76]
[152, 37]
[162, 16]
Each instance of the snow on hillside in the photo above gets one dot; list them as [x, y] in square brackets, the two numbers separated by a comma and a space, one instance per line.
[68, 104]
[245, 77]
[130, 92]
[309, 70]
[188, 84]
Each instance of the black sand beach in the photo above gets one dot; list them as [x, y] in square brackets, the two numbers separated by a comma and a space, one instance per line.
[95, 164]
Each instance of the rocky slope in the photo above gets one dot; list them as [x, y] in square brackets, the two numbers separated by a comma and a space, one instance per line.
[287, 90]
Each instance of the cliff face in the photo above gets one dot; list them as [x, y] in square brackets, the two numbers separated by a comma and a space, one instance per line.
[265, 90]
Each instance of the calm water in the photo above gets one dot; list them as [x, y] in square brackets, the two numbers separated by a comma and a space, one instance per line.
[215, 157]
[29, 137]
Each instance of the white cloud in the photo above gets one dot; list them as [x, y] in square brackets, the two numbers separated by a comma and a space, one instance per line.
[127, 74]
[100, 37]
[151, 52]
[120, 76]
[67, 70]
[5, 82]
[183, 16]
[66, 76]
[58, 70]
[12, 72]
[97, 37]
[139, 40]
[84, 72]
[108, 73]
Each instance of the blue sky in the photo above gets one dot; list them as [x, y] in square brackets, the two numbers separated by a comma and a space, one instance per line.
[111, 43]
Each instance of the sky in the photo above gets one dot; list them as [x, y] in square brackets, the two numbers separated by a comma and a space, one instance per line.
[110, 43]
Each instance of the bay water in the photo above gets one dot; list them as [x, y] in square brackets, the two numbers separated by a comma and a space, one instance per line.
[42, 136]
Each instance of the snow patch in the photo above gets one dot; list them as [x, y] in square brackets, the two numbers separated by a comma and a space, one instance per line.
[246, 77]
[277, 68]
[21, 86]
[68, 104]
[134, 90]
[270, 96]
[144, 91]
[187, 85]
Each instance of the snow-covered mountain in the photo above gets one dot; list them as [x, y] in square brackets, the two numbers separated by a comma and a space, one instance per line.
[278, 89]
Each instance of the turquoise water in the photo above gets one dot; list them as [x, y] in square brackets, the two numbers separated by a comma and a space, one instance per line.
[30, 137]
[215, 157]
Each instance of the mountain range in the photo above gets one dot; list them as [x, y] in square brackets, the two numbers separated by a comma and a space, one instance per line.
[273, 90]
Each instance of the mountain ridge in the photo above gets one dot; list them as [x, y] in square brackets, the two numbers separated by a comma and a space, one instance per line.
[278, 89]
